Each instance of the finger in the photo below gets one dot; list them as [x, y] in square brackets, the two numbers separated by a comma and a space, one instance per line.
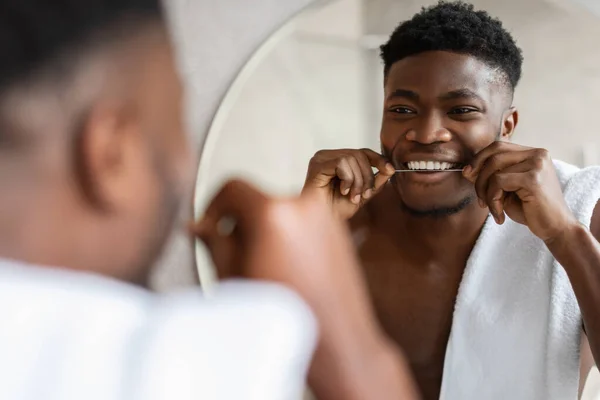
[380, 181]
[495, 200]
[236, 199]
[357, 185]
[502, 183]
[367, 174]
[345, 174]
[324, 167]
[516, 182]
[378, 161]
[494, 164]
[480, 159]
[222, 248]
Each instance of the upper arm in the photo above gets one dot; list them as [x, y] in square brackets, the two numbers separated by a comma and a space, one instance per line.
[587, 359]
[586, 362]
[595, 222]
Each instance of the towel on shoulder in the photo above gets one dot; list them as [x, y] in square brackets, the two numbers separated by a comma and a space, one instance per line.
[516, 328]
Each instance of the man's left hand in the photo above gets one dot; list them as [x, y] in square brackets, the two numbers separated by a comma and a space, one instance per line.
[521, 182]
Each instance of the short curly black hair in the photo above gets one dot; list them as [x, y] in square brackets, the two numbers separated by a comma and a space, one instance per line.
[35, 32]
[456, 27]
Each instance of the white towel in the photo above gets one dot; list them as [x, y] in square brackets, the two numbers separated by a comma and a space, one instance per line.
[517, 326]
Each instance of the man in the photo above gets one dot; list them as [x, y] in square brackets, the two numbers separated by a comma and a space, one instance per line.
[483, 305]
[93, 166]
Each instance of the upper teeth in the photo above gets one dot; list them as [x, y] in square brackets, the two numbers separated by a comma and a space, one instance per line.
[432, 165]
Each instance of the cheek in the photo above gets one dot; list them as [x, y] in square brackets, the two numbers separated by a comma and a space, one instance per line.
[389, 135]
[181, 167]
[147, 191]
[478, 137]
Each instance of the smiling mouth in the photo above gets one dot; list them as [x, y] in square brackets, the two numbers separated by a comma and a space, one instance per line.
[433, 166]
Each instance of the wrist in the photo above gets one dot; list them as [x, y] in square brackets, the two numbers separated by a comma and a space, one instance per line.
[569, 235]
[570, 239]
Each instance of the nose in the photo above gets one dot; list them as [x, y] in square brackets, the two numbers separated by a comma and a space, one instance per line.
[430, 129]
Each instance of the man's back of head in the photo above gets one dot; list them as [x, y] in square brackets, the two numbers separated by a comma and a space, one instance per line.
[93, 157]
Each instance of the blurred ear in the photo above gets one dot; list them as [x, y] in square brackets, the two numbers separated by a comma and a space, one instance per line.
[509, 124]
[108, 149]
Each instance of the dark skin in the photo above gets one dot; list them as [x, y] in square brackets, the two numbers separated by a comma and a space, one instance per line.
[415, 231]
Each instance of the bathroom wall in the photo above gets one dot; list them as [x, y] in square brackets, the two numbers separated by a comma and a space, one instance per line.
[560, 87]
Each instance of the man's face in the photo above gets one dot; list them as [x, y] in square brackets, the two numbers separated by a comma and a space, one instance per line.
[440, 110]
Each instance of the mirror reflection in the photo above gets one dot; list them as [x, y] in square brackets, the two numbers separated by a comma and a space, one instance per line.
[476, 128]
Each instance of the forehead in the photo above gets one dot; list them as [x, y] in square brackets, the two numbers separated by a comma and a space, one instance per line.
[437, 72]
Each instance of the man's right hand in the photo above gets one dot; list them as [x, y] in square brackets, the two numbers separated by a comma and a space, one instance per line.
[345, 179]
[299, 243]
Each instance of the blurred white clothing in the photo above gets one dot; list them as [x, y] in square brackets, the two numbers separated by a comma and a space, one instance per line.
[72, 336]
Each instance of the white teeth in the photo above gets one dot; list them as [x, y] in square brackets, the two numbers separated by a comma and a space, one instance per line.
[429, 165]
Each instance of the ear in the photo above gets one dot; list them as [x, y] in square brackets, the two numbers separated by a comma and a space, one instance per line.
[510, 120]
[106, 142]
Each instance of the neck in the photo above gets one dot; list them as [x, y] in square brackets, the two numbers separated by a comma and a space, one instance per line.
[24, 225]
[456, 231]
[40, 227]
[436, 235]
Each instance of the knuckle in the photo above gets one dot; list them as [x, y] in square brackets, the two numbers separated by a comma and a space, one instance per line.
[540, 158]
[543, 153]
[343, 163]
[364, 151]
[324, 155]
[229, 187]
[538, 163]
[316, 158]
[321, 154]
[534, 178]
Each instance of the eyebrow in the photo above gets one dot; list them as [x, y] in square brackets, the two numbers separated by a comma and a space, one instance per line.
[404, 94]
[461, 94]
[452, 95]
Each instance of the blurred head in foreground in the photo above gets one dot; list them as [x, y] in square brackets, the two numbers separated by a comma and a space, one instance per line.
[93, 153]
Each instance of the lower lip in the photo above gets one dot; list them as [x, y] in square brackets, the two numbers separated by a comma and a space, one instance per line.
[427, 176]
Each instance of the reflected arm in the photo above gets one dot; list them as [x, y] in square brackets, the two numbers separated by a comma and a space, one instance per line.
[578, 251]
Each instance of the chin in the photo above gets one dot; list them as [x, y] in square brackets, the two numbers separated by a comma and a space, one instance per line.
[439, 210]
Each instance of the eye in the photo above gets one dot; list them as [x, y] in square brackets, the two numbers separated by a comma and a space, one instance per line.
[401, 110]
[462, 110]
